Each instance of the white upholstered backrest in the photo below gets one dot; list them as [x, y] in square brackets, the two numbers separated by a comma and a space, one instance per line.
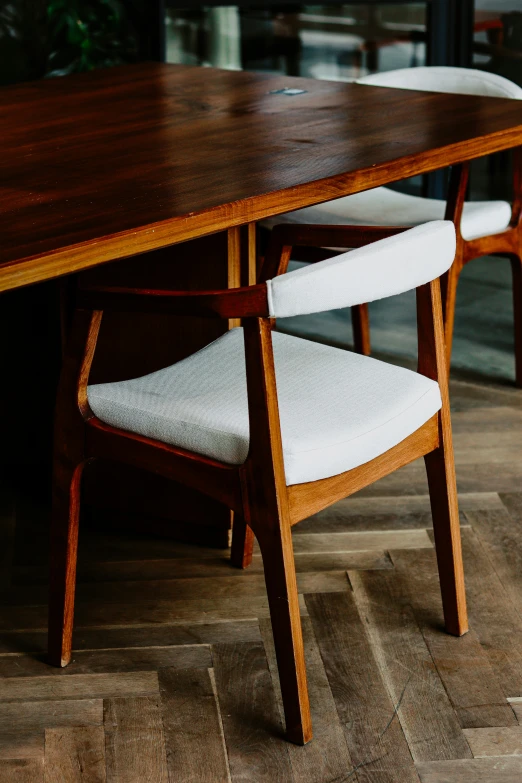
[440, 78]
[384, 268]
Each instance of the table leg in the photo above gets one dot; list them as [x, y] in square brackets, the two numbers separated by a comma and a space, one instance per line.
[242, 270]
[242, 259]
[234, 265]
[251, 275]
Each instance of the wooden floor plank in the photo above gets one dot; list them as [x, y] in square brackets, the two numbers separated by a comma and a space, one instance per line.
[316, 562]
[470, 679]
[256, 748]
[352, 542]
[516, 705]
[356, 506]
[105, 661]
[203, 568]
[492, 770]
[464, 666]
[466, 395]
[21, 770]
[362, 514]
[502, 540]
[513, 502]
[99, 546]
[509, 546]
[137, 570]
[326, 758]
[476, 445]
[184, 612]
[375, 739]
[428, 719]
[496, 419]
[79, 686]
[502, 741]
[135, 744]
[217, 588]
[471, 477]
[192, 724]
[30, 716]
[148, 636]
[75, 755]
[493, 616]
[22, 745]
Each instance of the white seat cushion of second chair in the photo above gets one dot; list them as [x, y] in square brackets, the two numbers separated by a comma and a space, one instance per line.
[337, 409]
[385, 207]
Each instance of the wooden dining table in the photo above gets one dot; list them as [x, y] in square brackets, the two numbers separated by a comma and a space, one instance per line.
[157, 174]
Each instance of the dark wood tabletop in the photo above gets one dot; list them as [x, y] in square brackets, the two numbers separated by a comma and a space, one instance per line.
[105, 165]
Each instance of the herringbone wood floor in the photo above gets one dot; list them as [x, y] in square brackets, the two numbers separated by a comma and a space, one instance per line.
[173, 676]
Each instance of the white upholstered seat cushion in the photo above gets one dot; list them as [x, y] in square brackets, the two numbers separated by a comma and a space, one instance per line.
[338, 410]
[385, 207]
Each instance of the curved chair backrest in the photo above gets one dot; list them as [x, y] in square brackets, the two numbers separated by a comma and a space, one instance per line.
[384, 268]
[439, 78]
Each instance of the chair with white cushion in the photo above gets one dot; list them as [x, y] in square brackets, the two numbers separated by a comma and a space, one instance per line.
[275, 427]
[483, 227]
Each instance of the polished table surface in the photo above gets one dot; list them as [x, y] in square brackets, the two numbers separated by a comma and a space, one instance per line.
[105, 165]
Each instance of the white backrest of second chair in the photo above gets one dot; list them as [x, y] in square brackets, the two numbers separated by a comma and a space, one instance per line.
[384, 268]
[440, 78]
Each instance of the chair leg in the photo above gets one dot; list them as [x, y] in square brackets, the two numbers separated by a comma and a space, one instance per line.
[281, 585]
[64, 547]
[446, 527]
[516, 268]
[449, 283]
[361, 329]
[242, 543]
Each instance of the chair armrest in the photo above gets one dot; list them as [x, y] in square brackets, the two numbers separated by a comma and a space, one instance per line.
[248, 302]
[384, 268]
[286, 236]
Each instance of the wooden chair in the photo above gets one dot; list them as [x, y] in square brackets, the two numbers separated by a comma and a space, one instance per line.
[483, 227]
[275, 427]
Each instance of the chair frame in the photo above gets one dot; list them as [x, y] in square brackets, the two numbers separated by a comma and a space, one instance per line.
[256, 490]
